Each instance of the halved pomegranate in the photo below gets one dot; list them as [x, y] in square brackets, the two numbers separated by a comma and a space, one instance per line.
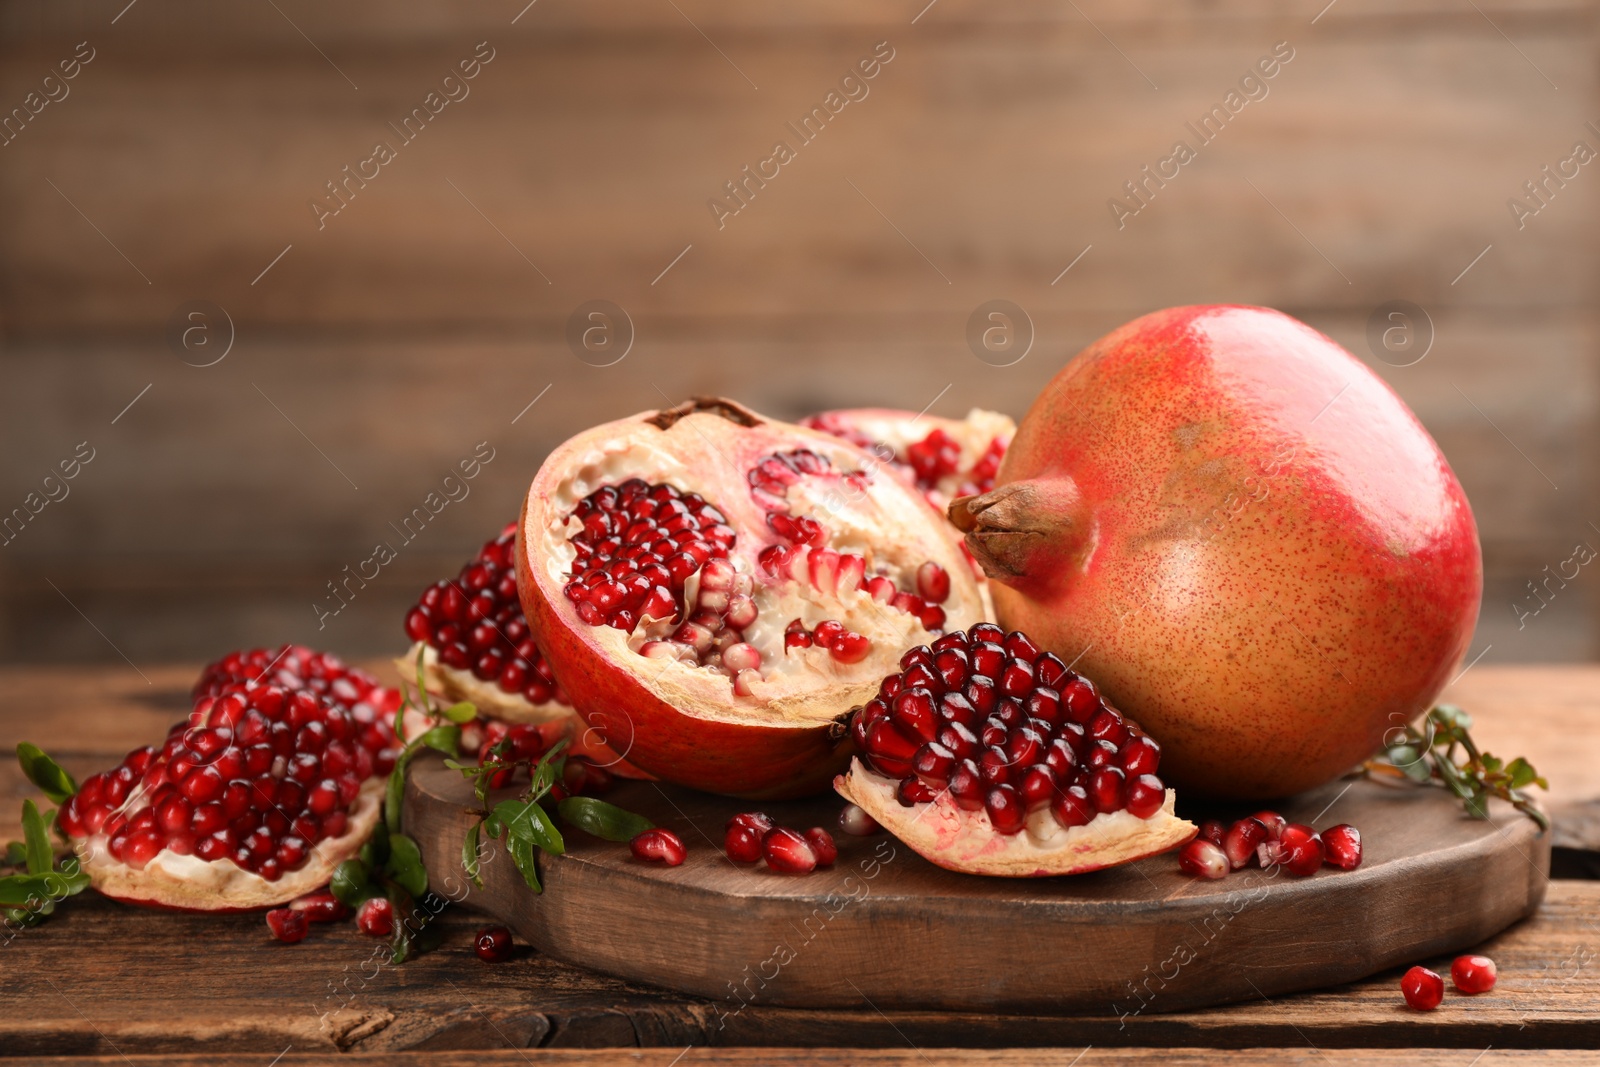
[988, 756]
[714, 588]
[252, 801]
[945, 458]
[476, 645]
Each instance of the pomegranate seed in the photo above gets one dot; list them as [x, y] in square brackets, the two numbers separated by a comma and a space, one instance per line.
[1422, 988]
[788, 852]
[933, 584]
[1241, 841]
[1214, 830]
[493, 944]
[1273, 822]
[1473, 974]
[822, 844]
[1342, 846]
[1300, 850]
[1146, 795]
[1202, 859]
[855, 821]
[660, 846]
[375, 917]
[743, 843]
[288, 925]
[320, 907]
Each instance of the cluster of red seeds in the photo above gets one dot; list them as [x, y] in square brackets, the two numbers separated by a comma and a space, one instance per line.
[753, 836]
[256, 775]
[475, 623]
[1270, 840]
[638, 545]
[930, 460]
[1008, 730]
[526, 743]
[292, 923]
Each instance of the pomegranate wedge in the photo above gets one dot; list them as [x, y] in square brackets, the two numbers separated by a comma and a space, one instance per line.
[714, 588]
[988, 756]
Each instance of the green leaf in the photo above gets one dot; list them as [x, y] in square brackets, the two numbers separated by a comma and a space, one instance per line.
[493, 827]
[351, 883]
[523, 855]
[45, 773]
[404, 908]
[1477, 805]
[375, 853]
[465, 711]
[27, 890]
[603, 820]
[525, 820]
[1491, 764]
[445, 738]
[405, 865]
[1521, 772]
[469, 855]
[394, 795]
[41, 857]
[1452, 717]
[16, 854]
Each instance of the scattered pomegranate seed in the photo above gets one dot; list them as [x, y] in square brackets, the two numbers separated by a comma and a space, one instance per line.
[1241, 841]
[1422, 988]
[375, 917]
[1342, 845]
[855, 821]
[821, 843]
[493, 944]
[1273, 822]
[789, 852]
[320, 907]
[660, 846]
[1473, 974]
[1300, 850]
[1202, 859]
[1214, 830]
[289, 925]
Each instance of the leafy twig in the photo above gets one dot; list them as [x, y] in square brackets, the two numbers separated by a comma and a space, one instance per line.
[1429, 756]
[45, 880]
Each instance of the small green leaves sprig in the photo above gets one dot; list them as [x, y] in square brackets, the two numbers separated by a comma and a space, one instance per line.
[1431, 755]
[44, 880]
[390, 863]
[524, 824]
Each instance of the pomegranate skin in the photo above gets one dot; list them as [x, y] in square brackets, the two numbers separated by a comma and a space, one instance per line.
[1249, 540]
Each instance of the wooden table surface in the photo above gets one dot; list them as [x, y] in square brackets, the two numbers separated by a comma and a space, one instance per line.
[102, 983]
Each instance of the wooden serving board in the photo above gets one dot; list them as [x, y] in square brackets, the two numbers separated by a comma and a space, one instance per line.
[887, 929]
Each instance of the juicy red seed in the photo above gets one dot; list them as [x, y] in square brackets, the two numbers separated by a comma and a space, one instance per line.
[1241, 841]
[911, 791]
[288, 925]
[855, 821]
[321, 907]
[1214, 830]
[1038, 787]
[1473, 974]
[1141, 755]
[493, 944]
[933, 582]
[1108, 788]
[1273, 822]
[789, 852]
[967, 786]
[1146, 795]
[1422, 988]
[1300, 850]
[1007, 812]
[742, 843]
[376, 917]
[1202, 859]
[660, 846]
[1342, 846]
[1080, 699]
[822, 844]
[1072, 807]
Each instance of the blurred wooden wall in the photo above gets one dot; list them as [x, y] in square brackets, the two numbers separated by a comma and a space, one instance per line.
[380, 348]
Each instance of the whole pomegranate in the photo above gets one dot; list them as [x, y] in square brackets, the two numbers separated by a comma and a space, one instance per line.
[1241, 533]
[714, 590]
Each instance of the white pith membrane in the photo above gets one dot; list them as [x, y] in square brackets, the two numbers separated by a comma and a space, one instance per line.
[189, 882]
[879, 519]
[945, 834]
[900, 430]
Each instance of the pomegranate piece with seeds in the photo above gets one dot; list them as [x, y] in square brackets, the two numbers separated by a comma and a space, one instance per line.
[1020, 759]
[1473, 974]
[712, 589]
[1422, 988]
[251, 801]
[945, 458]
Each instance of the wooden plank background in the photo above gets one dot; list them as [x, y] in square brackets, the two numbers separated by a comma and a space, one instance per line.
[423, 317]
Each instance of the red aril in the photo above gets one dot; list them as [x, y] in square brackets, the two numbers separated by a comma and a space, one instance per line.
[288, 925]
[822, 845]
[659, 846]
[1214, 830]
[493, 944]
[252, 801]
[320, 907]
[1300, 850]
[1422, 988]
[1040, 791]
[788, 851]
[1242, 839]
[855, 821]
[712, 589]
[1342, 846]
[1247, 538]
[1473, 974]
[1202, 859]
[375, 917]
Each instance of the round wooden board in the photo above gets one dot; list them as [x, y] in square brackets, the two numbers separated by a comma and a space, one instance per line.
[885, 927]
